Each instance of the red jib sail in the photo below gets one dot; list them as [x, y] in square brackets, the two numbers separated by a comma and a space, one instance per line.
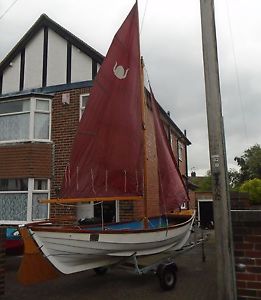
[106, 158]
[172, 191]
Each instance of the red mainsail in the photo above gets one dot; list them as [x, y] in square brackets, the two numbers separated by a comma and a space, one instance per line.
[106, 158]
[172, 191]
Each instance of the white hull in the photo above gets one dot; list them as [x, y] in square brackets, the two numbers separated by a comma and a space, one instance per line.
[72, 252]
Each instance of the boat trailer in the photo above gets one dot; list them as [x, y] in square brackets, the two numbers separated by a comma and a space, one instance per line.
[164, 267]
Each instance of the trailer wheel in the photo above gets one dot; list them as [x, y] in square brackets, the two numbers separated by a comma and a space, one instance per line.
[101, 270]
[167, 276]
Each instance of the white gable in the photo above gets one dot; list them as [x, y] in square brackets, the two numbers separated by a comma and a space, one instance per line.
[34, 62]
[11, 76]
[57, 59]
[81, 66]
[48, 55]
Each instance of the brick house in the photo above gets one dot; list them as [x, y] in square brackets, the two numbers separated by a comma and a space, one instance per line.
[45, 82]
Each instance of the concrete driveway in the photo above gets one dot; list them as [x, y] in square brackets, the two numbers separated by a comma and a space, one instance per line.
[196, 280]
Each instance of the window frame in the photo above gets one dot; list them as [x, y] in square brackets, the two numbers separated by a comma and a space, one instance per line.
[180, 151]
[30, 191]
[82, 108]
[32, 113]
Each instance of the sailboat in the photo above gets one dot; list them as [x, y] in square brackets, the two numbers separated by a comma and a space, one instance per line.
[109, 161]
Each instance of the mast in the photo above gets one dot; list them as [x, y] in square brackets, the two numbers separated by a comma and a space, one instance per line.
[226, 284]
[145, 176]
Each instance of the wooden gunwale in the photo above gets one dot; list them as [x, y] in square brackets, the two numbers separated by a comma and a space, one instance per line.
[79, 229]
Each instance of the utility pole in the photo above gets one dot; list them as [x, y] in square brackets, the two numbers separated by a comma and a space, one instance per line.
[226, 283]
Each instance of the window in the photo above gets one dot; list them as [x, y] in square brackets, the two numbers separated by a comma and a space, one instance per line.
[180, 151]
[83, 103]
[25, 120]
[171, 139]
[41, 119]
[40, 192]
[19, 200]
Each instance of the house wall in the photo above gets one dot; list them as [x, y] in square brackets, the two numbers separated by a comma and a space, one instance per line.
[65, 120]
[26, 160]
[182, 161]
[81, 66]
[57, 57]
[152, 175]
[30, 73]
[11, 76]
[152, 163]
[67, 61]
[33, 68]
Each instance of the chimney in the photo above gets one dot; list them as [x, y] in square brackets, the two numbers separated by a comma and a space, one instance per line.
[193, 174]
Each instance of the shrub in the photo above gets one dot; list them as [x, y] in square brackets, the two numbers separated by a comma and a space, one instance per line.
[253, 188]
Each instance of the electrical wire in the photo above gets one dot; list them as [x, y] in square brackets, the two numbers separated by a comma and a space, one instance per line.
[6, 11]
[236, 72]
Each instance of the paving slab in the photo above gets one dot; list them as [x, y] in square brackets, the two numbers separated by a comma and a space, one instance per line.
[196, 280]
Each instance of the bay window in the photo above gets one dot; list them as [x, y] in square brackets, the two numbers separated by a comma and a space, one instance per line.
[19, 200]
[25, 120]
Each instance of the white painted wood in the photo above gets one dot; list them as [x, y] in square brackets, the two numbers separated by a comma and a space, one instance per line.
[57, 59]
[33, 68]
[81, 66]
[30, 199]
[11, 76]
[72, 252]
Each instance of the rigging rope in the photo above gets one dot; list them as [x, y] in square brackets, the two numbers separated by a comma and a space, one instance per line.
[143, 17]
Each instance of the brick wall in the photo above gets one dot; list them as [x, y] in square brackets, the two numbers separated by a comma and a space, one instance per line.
[2, 261]
[152, 167]
[182, 163]
[247, 249]
[135, 209]
[65, 120]
[25, 160]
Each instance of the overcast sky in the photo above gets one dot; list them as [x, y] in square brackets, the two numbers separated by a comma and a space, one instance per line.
[171, 46]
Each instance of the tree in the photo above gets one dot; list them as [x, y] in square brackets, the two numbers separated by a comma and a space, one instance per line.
[233, 179]
[253, 188]
[250, 163]
[204, 183]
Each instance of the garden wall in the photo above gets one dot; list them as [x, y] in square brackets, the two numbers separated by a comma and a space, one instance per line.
[247, 248]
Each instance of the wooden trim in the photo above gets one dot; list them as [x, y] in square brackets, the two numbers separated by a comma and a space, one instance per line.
[22, 62]
[1, 82]
[93, 199]
[46, 226]
[38, 25]
[45, 54]
[69, 63]
[94, 69]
